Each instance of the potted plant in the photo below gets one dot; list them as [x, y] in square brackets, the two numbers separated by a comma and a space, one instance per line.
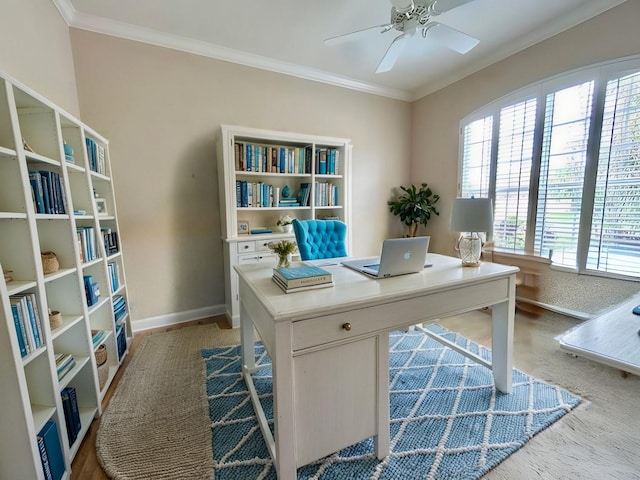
[415, 206]
[284, 249]
[285, 223]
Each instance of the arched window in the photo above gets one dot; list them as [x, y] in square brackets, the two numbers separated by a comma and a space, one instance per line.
[561, 161]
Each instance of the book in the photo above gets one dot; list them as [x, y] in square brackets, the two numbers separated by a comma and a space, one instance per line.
[256, 231]
[16, 320]
[71, 413]
[302, 288]
[49, 434]
[44, 458]
[303, 275]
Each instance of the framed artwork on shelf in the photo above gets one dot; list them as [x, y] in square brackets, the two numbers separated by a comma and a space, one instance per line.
[101, 207]
[243, 227]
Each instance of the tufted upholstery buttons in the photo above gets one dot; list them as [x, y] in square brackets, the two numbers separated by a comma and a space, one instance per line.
[320, 238]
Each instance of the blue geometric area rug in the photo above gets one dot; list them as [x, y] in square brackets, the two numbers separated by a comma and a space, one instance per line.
[447, 419]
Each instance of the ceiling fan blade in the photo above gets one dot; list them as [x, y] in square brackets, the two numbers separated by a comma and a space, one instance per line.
[393, 52]
[450, 37]
[442, 6]
[346, 37]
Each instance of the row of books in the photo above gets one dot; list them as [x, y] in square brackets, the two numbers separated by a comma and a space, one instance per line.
[26, 318]
[110, 238]
[260, 194]
[327, 161]
[96, 156]
[326, 195]
[71, 413]
[51, 451]
[119, 307]
[251, 157]
[121, 341]
[91, 290]
[64, 364]
[114, 276]
[299, 278]
[47, 191]
[87, 247]
[97, 336]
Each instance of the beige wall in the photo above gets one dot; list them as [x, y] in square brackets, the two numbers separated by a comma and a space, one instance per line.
[162, 109]
[35, 50]
[436, 118]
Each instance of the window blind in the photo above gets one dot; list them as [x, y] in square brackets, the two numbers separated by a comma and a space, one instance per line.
[513, 173]
[563, 160]
[615, 231]
[476, 158]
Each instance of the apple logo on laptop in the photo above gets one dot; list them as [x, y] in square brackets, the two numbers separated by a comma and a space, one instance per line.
[407, 255]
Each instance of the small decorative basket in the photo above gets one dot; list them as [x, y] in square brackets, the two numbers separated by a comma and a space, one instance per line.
[103, 375]
[55, 319]
[101, 355]
[49, 262]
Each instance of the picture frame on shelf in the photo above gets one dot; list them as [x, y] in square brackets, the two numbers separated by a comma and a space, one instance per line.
[101, 207]
[243, 227]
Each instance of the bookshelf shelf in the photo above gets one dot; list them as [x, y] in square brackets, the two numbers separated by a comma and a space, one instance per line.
[270, 161]
[42, 187]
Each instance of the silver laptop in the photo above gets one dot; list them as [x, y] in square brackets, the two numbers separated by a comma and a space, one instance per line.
[399, 256]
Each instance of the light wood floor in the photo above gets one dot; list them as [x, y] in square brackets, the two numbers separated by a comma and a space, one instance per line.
[85, 465]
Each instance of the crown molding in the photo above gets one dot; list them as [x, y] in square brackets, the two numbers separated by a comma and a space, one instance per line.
[114, 28]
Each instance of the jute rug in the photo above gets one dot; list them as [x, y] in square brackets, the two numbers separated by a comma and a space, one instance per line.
[156, 425]
[447, 419]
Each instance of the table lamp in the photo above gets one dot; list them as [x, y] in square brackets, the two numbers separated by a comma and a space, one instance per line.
[470, 216]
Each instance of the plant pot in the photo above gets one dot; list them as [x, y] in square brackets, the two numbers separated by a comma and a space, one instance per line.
[284, 261]
[287, 228]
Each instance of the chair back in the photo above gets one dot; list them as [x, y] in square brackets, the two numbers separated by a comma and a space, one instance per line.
[320, 238]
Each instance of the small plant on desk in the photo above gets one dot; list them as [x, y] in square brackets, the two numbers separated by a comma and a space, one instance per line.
[284, 249]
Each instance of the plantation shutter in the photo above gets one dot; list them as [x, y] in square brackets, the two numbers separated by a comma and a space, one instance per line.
[513, 173]
[562, 168]
[476, 158]
[615, 231]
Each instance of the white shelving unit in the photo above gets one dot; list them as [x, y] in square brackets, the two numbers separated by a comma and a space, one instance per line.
[301, 162]
[33, 133]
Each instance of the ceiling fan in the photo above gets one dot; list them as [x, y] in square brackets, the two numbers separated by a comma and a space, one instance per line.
[410, 17]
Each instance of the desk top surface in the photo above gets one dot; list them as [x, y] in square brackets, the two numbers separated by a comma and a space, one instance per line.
[354, 290]
[612, 338]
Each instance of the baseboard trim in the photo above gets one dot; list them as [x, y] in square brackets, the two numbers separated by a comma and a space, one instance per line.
[554, 308]
[177, 317]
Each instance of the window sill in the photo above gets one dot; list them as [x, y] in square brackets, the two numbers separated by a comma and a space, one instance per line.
[527, 256]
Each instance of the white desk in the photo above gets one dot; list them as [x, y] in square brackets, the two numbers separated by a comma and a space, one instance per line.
[611, 338]
[330, 348]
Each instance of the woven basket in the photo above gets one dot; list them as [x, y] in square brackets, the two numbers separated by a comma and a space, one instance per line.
[103, 375]
[101, 355]
[49, 262]
[55, 319]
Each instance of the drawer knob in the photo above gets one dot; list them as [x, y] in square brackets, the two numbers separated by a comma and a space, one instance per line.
[246, 246]
[347, 326]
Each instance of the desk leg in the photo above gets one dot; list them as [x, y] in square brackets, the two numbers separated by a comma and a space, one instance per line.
[283, 403]
[502, 340]
[247, 340]
[383, 421]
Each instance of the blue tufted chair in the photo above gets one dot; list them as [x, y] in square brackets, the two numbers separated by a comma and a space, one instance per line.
[320, 238]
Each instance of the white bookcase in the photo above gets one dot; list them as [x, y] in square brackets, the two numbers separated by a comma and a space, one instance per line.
[269, 161]
[33, 133]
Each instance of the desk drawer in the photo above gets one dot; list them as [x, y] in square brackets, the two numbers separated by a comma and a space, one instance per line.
[247, 247]
[397, 314]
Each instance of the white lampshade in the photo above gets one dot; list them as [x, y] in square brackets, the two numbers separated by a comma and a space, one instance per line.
[471, 215]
